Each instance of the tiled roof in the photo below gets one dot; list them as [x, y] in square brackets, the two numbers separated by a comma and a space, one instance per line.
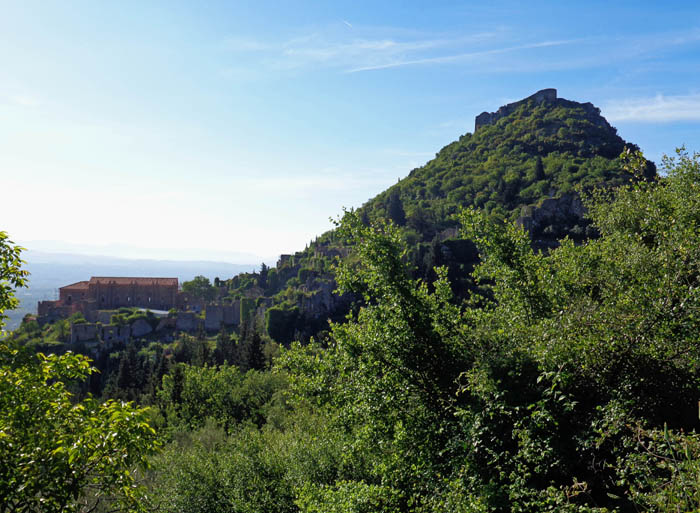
[78, 285]
[104, 280]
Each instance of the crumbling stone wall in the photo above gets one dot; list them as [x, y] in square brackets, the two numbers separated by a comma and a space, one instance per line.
[232, 313]
[186, 321]
[217, 314]
[113, 333]
[213, 317]
[83, 332]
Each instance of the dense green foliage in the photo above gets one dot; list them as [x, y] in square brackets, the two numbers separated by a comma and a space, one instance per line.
[192, 395]
[11, 274]
[56, 454]
[200, 287]
[540, 152]
[566, 382]
[491, 377]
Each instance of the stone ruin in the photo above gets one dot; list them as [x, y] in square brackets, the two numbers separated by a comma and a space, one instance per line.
[489, 118]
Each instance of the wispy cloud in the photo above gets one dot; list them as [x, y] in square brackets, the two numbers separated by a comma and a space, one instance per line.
[353, 48]
[366, 49]
[362, 52]
[655, 109]
[444, 59]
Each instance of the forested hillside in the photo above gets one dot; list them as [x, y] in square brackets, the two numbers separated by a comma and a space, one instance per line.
[566, 381]
[537, 353]
[528, 166]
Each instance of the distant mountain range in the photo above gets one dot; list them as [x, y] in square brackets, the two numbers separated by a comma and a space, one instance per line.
[49, 271]
[144, 253]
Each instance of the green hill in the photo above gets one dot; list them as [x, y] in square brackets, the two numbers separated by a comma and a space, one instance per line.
[524, 162]
[538, 148]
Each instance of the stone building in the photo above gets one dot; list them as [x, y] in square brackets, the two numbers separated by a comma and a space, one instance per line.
[105, 293]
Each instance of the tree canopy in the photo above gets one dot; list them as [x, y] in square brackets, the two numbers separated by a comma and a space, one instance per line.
[200, 287]
[567, 382]
[58, 454]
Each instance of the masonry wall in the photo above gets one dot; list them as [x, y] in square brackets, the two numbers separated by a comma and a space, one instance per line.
[213, 317]
[155, 297]
[112, 333]
[85, 332]
[232, 314]
[68, 295]
[186, 321]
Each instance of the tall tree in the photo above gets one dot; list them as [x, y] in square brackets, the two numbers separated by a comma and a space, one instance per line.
[539, 169]
[200, 287]
[395, 209]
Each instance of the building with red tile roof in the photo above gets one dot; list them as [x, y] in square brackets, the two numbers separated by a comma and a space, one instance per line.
[111, 292]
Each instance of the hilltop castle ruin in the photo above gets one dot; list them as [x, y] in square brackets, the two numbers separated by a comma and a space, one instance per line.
[489, 118]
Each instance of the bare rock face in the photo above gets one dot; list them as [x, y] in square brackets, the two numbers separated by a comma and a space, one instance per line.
[555, 218]
[141, 328]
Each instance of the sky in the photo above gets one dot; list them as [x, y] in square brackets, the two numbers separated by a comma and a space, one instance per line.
[234, 131]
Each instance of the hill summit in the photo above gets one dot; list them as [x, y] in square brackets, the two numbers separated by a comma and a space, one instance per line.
[536, 149]
[525, 162]
[489, 118]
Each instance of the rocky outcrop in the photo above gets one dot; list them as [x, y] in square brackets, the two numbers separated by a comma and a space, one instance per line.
[141, 328]
[489, 118]
[554, 219]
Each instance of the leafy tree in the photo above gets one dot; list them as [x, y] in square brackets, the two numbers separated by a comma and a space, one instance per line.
[226, 349]
[223, 393]
[539, 169]
[364, 217]
[395, 209]
[262, 276]
[567, 382]
[58, 454]
[250, 349]
[12, 275]
[200, 287]
[391, 375]
[281, 322]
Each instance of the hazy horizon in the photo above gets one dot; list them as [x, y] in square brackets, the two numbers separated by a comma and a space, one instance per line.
[226, 129]
[49, 271]
[123, 251]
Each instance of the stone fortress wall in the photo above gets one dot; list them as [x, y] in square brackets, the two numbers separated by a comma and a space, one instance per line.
[100, 298]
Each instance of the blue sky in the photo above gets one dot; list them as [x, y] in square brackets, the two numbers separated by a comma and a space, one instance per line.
[210, 129]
